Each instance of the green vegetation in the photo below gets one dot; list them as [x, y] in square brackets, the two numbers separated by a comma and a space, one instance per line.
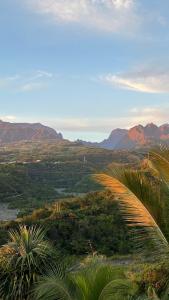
[79, 226]
[95, 280]
[23, 259]
[35, 173]
[31, 269]
[77, 257]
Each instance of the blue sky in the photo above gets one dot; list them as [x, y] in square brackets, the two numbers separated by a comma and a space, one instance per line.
[84, 67]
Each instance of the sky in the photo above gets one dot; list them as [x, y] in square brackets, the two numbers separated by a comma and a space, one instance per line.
[84, 67]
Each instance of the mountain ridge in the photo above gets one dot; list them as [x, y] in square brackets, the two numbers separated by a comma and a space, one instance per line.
[15, 132]
[136, 137]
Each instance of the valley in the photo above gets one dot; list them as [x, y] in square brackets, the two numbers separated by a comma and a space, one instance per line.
[34, 173]
[84, 150]
[52, 185]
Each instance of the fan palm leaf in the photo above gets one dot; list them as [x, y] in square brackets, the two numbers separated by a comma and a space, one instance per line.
[51, 287]
[25, 256]
[135, 214]
[86, 283]
[92, 280]
[146, 190]
[160, 162]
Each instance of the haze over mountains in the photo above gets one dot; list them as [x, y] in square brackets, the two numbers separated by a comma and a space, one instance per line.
[136, 137]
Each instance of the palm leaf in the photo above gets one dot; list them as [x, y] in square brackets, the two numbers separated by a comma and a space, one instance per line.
[119, 289]
[152, 294]
[52, 288]
[147, 191]
[160, 161]
[26, 256]
[136, 215]
[91, 280]
[84, 282]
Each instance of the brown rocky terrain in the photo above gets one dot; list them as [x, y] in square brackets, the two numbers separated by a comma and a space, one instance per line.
[13, 132]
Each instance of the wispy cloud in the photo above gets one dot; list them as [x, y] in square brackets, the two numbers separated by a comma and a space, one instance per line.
[109, 15]
[144, 115]
[102, 126]
[148, 80]
[7, 80]
[33, 86]
[90, 128]
[26, 82]
[8, 118]
[132, 117]
[40, 74]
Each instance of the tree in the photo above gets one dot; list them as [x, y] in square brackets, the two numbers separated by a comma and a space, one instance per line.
[145, 231]
[22, 260]
[98, 280]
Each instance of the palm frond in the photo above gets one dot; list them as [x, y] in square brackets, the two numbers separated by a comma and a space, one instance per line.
[91, 280]
[27, 254]
[145, 190]
[135, 214]
[160, 161]
[87, 281]
[53, 288]
[119, 290]
[152, 294]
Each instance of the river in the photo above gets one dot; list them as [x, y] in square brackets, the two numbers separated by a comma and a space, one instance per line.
[7, 214]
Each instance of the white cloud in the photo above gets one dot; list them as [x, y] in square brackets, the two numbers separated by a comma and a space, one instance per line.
[156, 114]
[102, 126]
[26, 82]
[40, 74]
[29, 87]
[8, 118]
[99, 128]
[109, 15]
[143, 80]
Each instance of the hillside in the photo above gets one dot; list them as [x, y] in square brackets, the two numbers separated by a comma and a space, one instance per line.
[34, 172]
[14, 132]
[136, 137]
[76, 224]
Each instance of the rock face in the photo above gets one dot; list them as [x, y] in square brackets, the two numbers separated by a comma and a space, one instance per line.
[136, 137]
[140, 136]
[114, 139]
[13, 132]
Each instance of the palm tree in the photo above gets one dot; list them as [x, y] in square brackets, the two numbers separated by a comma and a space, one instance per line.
[98, 280]
[140, 205]
[145, 231]
[144, 205]
[23, 259]
[143, 200]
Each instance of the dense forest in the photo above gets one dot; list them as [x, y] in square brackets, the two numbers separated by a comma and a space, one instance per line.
[78, 226]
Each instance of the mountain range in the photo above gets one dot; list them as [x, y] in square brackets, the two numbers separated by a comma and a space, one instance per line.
[135, 137]
[14, 132]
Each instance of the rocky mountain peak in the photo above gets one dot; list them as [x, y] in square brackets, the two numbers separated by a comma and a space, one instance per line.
[13, 132]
